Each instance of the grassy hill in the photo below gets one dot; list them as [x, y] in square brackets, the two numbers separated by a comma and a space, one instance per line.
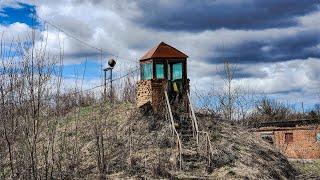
[119, 142]
[116, 142]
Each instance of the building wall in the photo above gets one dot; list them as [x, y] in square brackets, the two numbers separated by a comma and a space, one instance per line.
[151, 91]
[304, 144]
[144, 92]
[158, 97]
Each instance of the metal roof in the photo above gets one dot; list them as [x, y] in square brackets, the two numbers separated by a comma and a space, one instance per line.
[163, 50]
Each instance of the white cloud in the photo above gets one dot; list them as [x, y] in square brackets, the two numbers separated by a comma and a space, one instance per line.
[15, 32]
[292, 81]
[310, 20]
[9, 3]
[108, 25]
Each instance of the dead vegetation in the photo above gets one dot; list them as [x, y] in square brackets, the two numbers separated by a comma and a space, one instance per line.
[239, 154]
[141, 146]
[96, 141]
[48, 133]
[307, 169]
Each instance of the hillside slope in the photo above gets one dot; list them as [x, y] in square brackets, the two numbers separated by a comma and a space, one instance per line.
[136, 146]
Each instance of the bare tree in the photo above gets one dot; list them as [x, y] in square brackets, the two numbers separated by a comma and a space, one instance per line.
[271, 110]
[228, 97]
[207, 100]
[129, 90]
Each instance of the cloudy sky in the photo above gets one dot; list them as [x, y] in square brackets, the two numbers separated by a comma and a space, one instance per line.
[275, 44]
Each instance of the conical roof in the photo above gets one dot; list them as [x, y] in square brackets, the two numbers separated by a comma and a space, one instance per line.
[163, 50]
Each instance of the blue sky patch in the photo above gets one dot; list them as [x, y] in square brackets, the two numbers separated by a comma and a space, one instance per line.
[22, 14]
[89, 68]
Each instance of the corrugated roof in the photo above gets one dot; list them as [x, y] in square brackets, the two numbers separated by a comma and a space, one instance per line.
[163, 50]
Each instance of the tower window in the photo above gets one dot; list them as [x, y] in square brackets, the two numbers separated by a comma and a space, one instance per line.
[318, 137]
[159, 71]
[177, 71]
[146, 71]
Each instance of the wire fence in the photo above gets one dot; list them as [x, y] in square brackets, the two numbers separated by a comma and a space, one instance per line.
[93, 73]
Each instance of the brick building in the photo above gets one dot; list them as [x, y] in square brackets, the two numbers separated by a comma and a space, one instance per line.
[295, 139]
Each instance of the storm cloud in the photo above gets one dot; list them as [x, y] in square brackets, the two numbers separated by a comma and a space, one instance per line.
[274, 44]
[261, 47]
[185, 15]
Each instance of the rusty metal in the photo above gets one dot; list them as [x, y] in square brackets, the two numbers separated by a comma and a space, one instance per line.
[163, 50]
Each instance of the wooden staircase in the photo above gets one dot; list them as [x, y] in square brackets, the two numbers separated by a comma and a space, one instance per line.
[185, 128]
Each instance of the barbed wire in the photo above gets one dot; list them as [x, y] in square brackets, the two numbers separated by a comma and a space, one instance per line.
[69, 34]
[79, 92]
[100, 50]
[80, 40]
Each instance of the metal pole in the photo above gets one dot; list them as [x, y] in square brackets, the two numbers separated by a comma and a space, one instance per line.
[111, 63]
[105, 85]
[111, 90]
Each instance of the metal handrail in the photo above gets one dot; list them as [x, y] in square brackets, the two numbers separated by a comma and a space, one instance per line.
[174, 130]
[195, 122]
[194, 119]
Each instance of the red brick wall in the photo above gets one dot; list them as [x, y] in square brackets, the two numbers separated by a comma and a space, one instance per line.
[304, 144]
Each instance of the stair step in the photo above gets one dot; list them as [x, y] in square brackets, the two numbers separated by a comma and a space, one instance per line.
[194, 160]
[193, 165]
[189, 144]
[186, 135]
[191, 151]
[191, 137]
[187, 153]
[186, 132]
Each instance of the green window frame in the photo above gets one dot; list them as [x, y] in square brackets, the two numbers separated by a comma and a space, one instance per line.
[159, 71]
[146, 71]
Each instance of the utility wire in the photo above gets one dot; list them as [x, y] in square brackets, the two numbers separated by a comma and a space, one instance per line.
[81, 91]
[100, 50]
[80, 40]
[70, 35]
[131, 72]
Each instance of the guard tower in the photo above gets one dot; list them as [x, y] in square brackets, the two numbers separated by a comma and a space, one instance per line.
[163, 68]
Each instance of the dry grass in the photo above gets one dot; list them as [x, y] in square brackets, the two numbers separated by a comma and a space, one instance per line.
[308, 169]
[239, 154]
[236, 153]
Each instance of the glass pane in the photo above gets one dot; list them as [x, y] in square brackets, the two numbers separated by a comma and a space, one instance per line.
[177, 71]
[146, 71]
[159, 71]
[318, 137]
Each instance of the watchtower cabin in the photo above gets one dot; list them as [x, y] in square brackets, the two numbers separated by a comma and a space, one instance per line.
[163, 68]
